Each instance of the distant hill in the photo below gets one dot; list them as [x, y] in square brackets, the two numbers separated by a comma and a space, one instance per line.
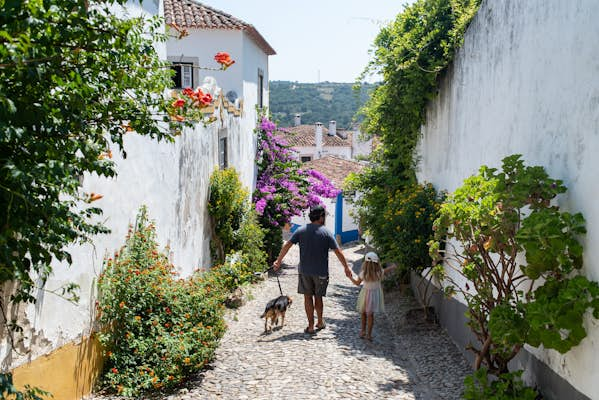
[316, 102]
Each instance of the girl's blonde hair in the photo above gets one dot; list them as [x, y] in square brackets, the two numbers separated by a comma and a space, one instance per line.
[372, 271]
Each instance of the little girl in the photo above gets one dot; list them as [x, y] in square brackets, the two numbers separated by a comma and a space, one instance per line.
[370, 299]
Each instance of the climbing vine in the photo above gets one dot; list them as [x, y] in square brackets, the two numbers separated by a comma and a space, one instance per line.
[410, 54]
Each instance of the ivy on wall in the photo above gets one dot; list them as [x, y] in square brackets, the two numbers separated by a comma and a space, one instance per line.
[411, 53]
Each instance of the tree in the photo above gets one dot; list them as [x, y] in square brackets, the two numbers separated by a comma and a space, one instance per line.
[74, 80]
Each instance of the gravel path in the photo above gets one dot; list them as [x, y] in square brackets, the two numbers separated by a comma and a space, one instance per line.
[408, 358]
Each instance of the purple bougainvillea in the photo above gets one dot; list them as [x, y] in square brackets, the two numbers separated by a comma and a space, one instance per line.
[283, 188]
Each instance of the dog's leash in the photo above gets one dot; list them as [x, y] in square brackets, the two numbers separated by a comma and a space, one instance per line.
[277, 276]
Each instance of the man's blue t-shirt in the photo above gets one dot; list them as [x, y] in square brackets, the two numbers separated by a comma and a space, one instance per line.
[315, 241]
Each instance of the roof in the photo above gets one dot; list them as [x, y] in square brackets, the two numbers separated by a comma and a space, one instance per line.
[336, 169]
[305, 136]
[191, 14]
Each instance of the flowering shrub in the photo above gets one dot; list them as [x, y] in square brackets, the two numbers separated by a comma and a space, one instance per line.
[156, 329]
[283, 188]
[408, 227]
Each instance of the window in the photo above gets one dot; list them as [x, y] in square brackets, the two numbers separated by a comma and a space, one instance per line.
[183, 77]
[222, 153]
[306, 158]
[260, 88]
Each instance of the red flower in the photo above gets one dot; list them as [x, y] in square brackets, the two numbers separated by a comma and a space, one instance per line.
[188, 92]
[178, 103]
[206, 99]
[224, 59]
[115, 371]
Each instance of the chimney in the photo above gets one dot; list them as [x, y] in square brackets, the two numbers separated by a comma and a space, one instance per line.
[318, 140]
[298, 119]
[332, 128]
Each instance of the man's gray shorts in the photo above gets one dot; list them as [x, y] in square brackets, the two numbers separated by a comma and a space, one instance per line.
[312, 285]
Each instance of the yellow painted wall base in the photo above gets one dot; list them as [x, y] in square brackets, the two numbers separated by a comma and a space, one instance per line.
[69, 372]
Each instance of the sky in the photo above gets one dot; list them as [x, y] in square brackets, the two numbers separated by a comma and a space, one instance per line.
[316, 41]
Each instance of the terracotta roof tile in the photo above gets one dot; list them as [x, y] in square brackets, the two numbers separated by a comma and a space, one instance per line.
[191, 14]
[304, 136]
[335, 168]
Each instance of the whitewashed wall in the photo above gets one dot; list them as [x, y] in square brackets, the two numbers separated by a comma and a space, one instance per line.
[526, 81]
[348, 223]
[360, 147]
[172, 180]
[329, 205]
[340, 151]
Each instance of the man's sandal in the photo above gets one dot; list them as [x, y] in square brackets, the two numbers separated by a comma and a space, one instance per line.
[309, 332]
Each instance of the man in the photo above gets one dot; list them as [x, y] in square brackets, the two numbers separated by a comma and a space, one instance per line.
[315, 241]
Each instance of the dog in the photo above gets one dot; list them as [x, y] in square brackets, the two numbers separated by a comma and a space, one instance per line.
[274, 310]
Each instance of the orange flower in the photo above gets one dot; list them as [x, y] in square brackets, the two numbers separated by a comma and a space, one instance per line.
[188, 92]
[137, 318]
[178, 103]
[106, 154]
[179, 118]
[122, 304]
[93, 197]
[224, 59]
[187, 360]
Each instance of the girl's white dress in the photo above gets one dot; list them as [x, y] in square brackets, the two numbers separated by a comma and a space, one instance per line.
[370, 299]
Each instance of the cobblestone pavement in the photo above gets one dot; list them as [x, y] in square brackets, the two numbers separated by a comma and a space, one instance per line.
[407, 359]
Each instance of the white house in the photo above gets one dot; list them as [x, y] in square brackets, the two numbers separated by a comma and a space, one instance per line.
[316, 141]
[525, 82]
[171, 179]
[245, 84]
[339, 211]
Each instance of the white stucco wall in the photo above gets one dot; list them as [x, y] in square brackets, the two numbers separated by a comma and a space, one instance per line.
[526, 82]
[348, 223]
[360, 147]
[340, 151]
[329, 220]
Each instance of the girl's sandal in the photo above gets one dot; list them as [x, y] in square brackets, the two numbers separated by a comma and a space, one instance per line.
[362, 335]
[369, 338]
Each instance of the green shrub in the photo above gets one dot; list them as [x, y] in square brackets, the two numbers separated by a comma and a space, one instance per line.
[155, 329]
[400, 223]
[489, 224]
[249, 239]
[507, 386]
[227, 206]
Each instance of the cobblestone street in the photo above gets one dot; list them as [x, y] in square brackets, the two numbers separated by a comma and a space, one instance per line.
[403, 361]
